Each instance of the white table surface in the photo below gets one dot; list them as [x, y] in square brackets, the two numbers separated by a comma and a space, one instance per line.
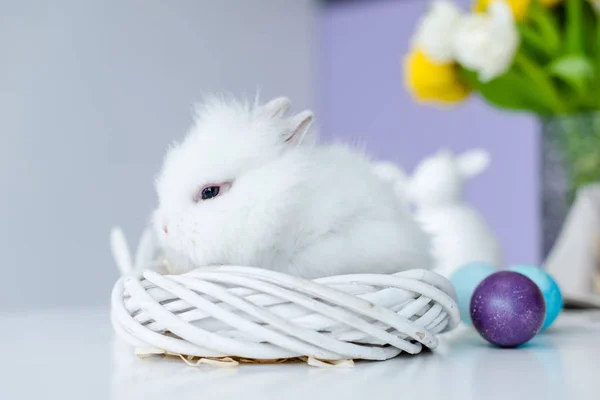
[72, 354]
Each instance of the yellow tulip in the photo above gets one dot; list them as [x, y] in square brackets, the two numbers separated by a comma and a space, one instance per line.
[430, 82]
[520, 8]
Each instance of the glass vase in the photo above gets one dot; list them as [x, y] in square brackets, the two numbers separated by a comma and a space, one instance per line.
[570, 160]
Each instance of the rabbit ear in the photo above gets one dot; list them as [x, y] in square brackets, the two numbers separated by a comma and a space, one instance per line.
[276, 107]
[299, 124]
[472, 162]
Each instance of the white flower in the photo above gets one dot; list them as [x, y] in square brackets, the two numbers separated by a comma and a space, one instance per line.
[436, 29]
[596, 5]
[487, 43]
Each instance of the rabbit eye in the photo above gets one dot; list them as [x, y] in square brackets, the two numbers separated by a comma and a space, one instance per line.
[211, 191]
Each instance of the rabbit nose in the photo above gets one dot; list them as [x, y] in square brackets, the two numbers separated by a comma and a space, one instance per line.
[165, 230]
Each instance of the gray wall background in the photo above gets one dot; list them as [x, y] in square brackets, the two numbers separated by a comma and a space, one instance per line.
[91, 93]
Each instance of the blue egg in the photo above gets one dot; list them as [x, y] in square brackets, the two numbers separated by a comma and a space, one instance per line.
[548, 287]
[465, 280]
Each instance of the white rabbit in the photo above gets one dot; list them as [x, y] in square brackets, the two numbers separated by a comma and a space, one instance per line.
[249, 187]
[459, 233]
[395, 177]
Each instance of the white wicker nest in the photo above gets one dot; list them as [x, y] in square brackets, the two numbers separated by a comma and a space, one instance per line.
[252, 313]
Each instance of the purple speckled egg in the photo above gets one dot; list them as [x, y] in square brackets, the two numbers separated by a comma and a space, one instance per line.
[507, 309]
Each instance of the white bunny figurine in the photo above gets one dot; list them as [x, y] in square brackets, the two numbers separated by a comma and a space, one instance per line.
[249, 187]
[459, 233]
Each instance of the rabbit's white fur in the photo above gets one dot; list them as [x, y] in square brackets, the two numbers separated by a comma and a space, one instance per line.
[459, 233]
[293, 206]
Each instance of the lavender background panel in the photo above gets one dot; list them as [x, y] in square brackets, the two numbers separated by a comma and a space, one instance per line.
[363, 100]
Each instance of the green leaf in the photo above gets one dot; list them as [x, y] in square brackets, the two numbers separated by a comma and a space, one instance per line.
[542, 29]
[532, 40]
[574, 35]
[590, 21]
[509, 91]
[539, 84]
[576, 70]
[597, 66]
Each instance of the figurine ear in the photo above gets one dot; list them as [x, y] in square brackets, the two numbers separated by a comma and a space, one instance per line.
[444, 152]
[299, 126]
[276, 107]
[472, 162]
